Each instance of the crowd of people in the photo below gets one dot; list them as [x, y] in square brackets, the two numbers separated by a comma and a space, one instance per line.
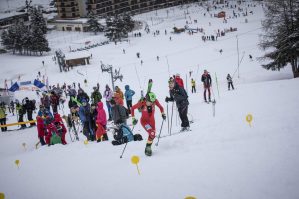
[89, 111]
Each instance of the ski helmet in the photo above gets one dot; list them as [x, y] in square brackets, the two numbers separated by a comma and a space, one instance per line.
[151, 97]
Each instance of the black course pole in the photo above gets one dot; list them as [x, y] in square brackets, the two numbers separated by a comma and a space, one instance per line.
[160, 133]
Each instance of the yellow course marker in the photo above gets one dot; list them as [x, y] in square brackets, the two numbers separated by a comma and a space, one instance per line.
[85, 142]
[17, 162]
[190, 197]
[249, 119]
[2, 196]
[135, 160]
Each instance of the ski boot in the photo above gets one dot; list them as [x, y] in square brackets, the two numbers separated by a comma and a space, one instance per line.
[148, 150]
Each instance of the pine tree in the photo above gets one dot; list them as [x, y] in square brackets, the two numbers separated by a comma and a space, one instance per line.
[94, 25]
[118, 27]
[282, 33]
[38, 40]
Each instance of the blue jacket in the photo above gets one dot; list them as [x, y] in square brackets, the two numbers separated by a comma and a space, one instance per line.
[84, 113]
[127, 132]
[129, 93]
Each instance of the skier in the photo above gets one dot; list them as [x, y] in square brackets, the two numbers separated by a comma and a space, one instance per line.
[54, 99]
[41, 129]
[179, 80]
[12, 107]
[20, 108]
[147, 107]
[84, 115]
[230, 81]
[118, 96]
[3, 116]
[129, 94]
[108, 96]
[60, 128]
[30, 107]
[193, 84]
[119, 113]
[179, 95]
[101, 122]
[82, 96]
[207, 83]
[96, 95]
[45, 100]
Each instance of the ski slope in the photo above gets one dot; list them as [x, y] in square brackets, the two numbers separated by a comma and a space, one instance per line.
[222, 157]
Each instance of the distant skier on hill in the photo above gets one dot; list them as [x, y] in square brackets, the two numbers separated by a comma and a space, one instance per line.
[230, 81]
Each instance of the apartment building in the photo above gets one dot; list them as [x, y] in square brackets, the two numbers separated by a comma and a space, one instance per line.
[70, 9]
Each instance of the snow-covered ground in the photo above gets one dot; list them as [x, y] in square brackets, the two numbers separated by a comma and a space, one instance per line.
[222, 157]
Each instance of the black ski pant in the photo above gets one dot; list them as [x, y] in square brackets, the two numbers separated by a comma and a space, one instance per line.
[230, 84]
[21, 120]
[183, 112]
[42, 141]
[87, 130]
[193, 89]
[3, 122]
[129, 105]
[29, 116]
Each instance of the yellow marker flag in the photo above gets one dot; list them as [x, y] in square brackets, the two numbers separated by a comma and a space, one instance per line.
[249, 119]
[2, 196]
[85, 142]
[17, 162]
[190, 197]
[135, 160]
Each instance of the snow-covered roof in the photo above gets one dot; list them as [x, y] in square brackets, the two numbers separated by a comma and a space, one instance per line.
[76, 55]
[72, 21]
[10, 14]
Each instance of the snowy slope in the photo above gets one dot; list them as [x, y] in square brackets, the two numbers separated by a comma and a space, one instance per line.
[222, 157]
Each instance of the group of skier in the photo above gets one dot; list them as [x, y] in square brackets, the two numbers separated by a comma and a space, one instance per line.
[92, 115]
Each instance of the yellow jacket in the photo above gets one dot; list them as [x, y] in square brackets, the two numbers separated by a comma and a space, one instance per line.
[192, 82]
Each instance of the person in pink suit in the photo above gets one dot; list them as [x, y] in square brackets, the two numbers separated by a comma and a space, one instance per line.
[101, 123]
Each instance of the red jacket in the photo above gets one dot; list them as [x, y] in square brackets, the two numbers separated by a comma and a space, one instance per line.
[101, 117]
[40, 126]
[179, 81]
[144, 112]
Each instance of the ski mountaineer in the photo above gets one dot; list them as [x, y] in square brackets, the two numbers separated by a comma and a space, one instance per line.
[129, 94]
[179, 95]
[147, 108]
[229, 81]
[207, 83]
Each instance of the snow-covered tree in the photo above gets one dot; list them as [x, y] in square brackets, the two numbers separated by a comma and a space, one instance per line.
[281, 37]
[118, 27]
[94, 25]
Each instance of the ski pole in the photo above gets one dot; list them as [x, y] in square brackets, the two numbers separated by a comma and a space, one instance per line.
[126, 145]
[171, 118]
[167, 120]
[160, 133]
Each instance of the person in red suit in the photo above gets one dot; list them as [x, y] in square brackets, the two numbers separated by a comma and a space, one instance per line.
[147, 107]
[179, 81]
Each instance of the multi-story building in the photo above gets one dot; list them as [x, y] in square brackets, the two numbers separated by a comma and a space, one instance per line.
[79, 8]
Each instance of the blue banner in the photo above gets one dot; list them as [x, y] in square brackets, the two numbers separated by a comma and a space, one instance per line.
[25, 83]
[38, 83]
[14, 87]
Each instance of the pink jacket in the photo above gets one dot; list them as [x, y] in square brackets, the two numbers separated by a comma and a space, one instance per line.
[101, 118]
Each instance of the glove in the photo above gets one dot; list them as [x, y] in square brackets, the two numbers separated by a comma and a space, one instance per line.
[167, 99]
[134, 121]
[163, 116]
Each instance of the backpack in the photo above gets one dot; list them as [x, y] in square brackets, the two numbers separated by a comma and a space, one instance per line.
[55, 139]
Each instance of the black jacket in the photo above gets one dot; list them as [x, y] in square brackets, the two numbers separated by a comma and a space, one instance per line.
[207, 80]
[179, 95]
[119, 114]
